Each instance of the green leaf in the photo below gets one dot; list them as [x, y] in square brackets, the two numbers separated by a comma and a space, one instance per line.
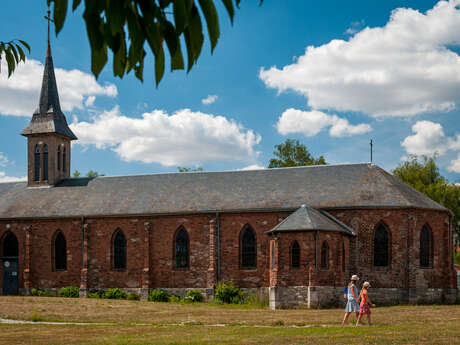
[115, 16]
[229, 7]
[159, 65]
[25, 45]
[75, 4]
[119, 60]
[196, 33]
[177, 61]
[60, 12]
[170, 36]
[139, 69]
[15, 53]
[212, 21]
[21, 52]
[180, 15]
[10, 61]
[154, 37]
[98, 59]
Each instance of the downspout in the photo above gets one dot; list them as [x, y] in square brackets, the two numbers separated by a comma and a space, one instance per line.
[82, 242]
[218, 245]
[316, 254]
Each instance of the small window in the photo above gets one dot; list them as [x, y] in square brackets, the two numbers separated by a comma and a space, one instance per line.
[10, 245]
[60, 252]
[248, 249]
[64, 160]
[119, 251]
[381, 246]
[325, 255]
[45, 162]
[182, 249]
[37, 163]
[59, 158]
[426, 247]
[295, 255]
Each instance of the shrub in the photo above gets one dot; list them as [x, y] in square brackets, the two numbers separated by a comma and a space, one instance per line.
[69, 291]
[158, 296]
[133, 297]
[227, 292]
[115, 293]
[96, 294]
[174, 299]
[42, 293]
[194, 296]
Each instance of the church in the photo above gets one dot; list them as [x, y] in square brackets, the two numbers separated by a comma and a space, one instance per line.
[293, 235]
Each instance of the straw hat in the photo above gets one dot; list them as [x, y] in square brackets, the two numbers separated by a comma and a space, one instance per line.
[366, 284]
[354, 277]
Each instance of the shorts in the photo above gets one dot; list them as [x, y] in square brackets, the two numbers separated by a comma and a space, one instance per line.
[364, 309]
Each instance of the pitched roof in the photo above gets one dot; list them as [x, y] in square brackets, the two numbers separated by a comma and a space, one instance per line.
[326, 186]
[308, 219]
[48, 117]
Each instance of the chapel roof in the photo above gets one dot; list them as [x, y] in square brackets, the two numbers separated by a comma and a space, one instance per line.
[48, 117]
[324, 186]
[310, 219]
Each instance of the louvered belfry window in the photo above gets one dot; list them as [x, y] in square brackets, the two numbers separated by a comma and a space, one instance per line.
[45, 162]
[324, 255]
[60, 252]
[295, 255]
[425, 247]
[59, 158]
[37, 163]
[119, 251]
[182, 249]
[381, 246]
[248, 249]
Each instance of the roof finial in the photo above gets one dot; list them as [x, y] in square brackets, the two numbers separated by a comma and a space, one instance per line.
[48, 18]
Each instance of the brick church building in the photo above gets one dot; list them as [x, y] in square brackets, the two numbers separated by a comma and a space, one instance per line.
[294, 234]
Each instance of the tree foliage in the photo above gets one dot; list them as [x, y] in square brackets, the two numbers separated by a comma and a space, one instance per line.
[13, 52]
[424, 176]
[90, 173]
[185, 169]
[292, 153]
[125, 26]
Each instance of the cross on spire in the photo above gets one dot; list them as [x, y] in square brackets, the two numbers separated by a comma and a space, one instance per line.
[48, 18]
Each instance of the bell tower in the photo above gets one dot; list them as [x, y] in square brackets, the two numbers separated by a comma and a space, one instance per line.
[48, 135]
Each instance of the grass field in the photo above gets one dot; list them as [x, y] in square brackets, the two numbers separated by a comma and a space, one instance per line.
[132, 322]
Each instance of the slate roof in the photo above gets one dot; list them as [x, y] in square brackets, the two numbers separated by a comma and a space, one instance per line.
[327, 186]
[48, 118]
[308, 219]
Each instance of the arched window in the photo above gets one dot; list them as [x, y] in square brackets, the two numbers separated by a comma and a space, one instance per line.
[60, 252]
[10, 245]
[45, 162]
[59, 158]
[295, 255]
[248, 249]
[119, 251]
[64, 160]
[343, 256]
[325, 255]
[181, 245]
[381, 246]
[37, 163]
[426, 247]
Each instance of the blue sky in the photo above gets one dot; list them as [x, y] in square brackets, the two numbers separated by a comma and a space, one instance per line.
[367, 74]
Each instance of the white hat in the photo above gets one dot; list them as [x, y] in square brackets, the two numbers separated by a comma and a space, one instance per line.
[366, 284]
[354, 277]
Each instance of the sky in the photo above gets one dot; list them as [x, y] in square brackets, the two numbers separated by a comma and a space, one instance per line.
[331, 74]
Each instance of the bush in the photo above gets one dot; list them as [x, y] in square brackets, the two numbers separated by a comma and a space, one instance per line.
[174, 299]
[69, 291]
[457, 258]
[227, 292]
[158, 296]
[96, 294]
[42, 293]
[194, 296]
[133, 297]
[115, 293]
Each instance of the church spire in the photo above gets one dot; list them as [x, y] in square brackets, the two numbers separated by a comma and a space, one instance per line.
[48, 117]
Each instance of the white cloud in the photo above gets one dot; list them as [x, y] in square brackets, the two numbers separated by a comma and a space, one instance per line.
[183, 138]
[403, 68]
[253, 167]
[3, 160]
[355, 27]
[19, 95]
[90, 101]
[5, 178]
[210, 99]
[454, 165]
[429, 138]
[310, 123]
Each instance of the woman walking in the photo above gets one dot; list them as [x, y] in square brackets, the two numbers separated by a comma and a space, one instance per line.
[365, 304]
[352, 299]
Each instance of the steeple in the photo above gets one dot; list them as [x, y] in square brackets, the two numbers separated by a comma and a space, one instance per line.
[48, 135]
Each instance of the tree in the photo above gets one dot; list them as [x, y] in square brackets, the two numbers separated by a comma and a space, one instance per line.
[124, 26]
[185, 169]
[425, 177]
[292, 153]
[13, 53]
[91, 173]
[76, 174]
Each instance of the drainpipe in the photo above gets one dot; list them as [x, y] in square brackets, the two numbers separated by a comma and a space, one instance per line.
[218, 245]
[316, 253]
[82, 241]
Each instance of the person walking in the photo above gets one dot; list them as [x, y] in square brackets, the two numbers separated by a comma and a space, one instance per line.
[365, 303]
[352, 299]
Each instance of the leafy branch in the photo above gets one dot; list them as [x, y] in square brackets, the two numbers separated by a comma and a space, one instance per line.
[13, 51]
